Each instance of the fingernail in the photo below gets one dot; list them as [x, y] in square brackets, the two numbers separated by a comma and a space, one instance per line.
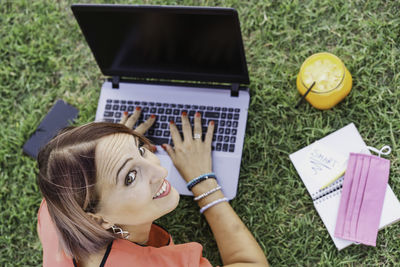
[184, 113]
[212, 122]
[171, 122]
[138, 108]
[154, 149]
[126, 113]
[198, 114]
[152, 116]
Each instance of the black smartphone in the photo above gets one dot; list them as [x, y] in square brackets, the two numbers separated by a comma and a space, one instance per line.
[60, 115]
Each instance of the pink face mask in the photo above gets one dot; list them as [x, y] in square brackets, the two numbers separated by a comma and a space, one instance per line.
[364, 189]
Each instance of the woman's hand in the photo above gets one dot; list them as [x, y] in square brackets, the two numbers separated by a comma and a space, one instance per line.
[191, 156]
[130, 121]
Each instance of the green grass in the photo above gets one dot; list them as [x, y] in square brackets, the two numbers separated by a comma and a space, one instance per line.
[43, 57]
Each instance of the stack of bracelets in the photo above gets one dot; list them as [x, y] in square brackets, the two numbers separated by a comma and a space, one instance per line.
[199, 179]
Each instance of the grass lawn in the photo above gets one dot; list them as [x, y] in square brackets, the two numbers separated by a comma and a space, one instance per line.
[43, 57]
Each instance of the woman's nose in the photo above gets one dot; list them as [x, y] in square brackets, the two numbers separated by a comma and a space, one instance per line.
[156, 172]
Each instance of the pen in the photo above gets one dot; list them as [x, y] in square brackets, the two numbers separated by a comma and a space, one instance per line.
[334, 179]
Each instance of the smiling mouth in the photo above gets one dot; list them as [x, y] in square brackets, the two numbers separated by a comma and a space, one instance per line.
[164, 190]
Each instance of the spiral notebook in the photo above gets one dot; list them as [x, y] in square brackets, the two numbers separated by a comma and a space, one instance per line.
[319, 162]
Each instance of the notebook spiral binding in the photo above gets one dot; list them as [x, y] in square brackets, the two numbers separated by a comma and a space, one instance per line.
[326, 193]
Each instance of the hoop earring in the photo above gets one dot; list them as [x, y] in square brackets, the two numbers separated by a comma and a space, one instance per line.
[118, 231]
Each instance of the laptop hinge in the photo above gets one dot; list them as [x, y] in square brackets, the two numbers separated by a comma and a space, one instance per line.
[115, 82]
[235, 89]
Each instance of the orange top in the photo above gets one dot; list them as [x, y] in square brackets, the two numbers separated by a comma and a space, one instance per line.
[160, 251]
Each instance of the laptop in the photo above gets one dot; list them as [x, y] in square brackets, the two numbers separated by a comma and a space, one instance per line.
[169, 59]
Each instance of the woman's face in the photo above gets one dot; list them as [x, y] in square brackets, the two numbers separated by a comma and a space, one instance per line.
[131, 182]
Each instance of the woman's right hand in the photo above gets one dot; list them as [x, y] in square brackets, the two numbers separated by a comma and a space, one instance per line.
[191, 156]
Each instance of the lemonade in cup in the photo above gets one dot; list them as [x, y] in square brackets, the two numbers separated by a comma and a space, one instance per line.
[333, 81]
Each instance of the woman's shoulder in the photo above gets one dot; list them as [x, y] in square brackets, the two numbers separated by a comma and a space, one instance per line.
[123, 253]
[52, 254]
[160, 251]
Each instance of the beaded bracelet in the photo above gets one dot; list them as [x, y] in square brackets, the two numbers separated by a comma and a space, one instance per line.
[200, 179]
[207, 193]
[209, 205]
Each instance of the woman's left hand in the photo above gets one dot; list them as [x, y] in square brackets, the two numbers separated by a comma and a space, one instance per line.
[130, 121]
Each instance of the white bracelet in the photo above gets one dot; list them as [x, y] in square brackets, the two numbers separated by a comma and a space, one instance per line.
[207, 193]
[209, 205]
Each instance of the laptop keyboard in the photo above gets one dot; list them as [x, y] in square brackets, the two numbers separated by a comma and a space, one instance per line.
[226, 120]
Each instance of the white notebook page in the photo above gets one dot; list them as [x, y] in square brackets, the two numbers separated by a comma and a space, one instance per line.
[343, 141]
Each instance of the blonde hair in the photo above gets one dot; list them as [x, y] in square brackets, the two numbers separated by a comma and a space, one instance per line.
[67, 177]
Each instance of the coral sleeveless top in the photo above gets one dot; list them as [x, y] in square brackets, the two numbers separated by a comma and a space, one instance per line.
[160, 250]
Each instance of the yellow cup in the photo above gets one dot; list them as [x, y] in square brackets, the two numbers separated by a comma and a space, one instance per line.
[333, 81]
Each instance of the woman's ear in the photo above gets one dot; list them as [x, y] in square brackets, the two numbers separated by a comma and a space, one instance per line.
[99, 219]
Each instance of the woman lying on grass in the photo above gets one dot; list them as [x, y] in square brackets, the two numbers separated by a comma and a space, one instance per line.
[103, 188]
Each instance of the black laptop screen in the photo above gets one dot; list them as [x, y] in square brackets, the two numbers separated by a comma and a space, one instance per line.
[183, 43]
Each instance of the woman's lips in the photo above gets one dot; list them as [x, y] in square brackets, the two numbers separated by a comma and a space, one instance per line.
[166, 191]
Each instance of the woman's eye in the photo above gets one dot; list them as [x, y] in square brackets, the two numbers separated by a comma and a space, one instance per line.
[130, 178]
[142, 150]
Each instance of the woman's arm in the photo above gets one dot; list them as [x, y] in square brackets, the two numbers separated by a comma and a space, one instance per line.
[192, 157]
[236, 244]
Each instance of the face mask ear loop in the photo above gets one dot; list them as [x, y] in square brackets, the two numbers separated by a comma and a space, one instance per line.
[385, 150]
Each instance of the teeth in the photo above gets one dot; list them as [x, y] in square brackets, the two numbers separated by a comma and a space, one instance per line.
[162, 190]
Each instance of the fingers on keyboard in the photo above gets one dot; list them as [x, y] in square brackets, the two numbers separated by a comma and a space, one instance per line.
[222, 138]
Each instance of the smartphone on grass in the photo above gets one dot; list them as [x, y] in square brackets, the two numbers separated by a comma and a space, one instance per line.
[60, 116]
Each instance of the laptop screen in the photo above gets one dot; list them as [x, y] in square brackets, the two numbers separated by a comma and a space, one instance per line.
[182, 43]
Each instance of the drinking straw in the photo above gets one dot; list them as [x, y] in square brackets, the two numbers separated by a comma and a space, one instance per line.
[304, 96]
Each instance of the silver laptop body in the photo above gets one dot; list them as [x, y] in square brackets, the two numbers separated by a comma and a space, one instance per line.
[197, 64]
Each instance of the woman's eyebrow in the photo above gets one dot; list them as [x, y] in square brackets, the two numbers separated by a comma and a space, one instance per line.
[123, 165]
